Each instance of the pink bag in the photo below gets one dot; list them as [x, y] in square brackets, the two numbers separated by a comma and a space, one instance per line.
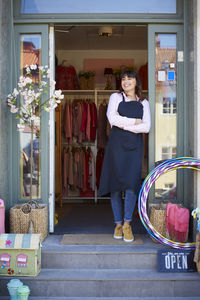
[177, 222]
[2, 216]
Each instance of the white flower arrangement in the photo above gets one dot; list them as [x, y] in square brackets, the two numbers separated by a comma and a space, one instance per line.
[28, 101]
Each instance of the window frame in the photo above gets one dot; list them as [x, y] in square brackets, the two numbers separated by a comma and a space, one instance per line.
[98, 17]
[171, 106]
[170, 153]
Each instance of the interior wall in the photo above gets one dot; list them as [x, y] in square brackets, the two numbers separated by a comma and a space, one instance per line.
[76, 57]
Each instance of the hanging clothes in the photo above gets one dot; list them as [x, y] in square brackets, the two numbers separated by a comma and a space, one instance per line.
[76, 120]
[102, 126]
[79, 121]
[99, 164]
[88, 123]
[93, 124]
[84, 119]
[91, 169]
[67, 122]
[65, 171]
[78, 171]
[143, 75]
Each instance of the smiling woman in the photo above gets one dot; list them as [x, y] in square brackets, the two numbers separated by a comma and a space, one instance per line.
[90, 6]
[129, 116]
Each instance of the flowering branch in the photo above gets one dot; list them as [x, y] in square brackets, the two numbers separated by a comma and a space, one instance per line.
[28, 101]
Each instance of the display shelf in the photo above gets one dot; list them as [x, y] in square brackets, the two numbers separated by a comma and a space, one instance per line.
[77, 91]
[89, 91]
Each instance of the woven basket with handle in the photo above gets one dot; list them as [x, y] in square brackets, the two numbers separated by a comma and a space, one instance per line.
[157, 218]
[22, 215]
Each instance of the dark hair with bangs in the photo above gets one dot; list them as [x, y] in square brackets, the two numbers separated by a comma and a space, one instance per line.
[133, 74]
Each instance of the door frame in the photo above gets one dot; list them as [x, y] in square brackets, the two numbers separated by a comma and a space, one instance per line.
[48, 57]
[51, 134]
[44, 32]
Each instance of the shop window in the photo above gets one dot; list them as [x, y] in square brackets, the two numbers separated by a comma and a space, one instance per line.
[169, 105]
[169, 186]
[22, 261]
[168, 152]
[5, 260]
[90, 6]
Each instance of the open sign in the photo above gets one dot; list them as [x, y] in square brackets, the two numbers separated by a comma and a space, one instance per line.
[176, 260]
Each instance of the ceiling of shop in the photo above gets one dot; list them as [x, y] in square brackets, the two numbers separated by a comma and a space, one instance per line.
[87, 38]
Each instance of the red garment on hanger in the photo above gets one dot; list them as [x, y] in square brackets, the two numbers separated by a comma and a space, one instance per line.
[88, 122]
[66, 78]
[99, 164]
[93, 125]
[102, 127]
[65, 171]
[84, 119]
[143, 75]
[67, 122]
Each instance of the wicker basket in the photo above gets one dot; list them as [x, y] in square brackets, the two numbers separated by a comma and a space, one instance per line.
[90, 83]
[83, 83]
[197, 252]
[157, 218]
[22, 215]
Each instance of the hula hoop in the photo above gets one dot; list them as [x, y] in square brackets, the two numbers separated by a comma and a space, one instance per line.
[166, 166]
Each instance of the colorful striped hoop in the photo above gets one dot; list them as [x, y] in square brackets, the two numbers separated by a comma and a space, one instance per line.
[166, 166]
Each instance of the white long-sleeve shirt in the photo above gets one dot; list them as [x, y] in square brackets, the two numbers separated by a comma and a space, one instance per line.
[128, 123]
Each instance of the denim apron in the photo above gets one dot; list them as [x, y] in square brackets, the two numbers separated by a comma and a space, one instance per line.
[122, 163]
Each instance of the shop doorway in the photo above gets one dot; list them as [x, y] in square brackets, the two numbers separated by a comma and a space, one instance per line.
[88, 60]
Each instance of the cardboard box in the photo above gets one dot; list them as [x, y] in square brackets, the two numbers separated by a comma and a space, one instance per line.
[20, 254]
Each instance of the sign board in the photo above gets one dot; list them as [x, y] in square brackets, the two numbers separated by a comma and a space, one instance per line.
[171, 75]
[175, 260]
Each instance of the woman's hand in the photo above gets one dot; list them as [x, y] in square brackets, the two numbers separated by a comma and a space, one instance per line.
[138, 121]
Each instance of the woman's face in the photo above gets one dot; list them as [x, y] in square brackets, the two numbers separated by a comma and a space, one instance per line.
[128, 83]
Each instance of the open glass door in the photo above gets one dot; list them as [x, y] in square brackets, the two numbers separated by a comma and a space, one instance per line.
[31, 47]
[167, 106]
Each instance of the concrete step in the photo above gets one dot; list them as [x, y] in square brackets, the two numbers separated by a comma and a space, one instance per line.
[106, 298]
[109, 283]
[99, 260]
[55, 255]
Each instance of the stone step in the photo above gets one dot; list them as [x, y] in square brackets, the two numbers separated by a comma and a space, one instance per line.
[99, 260]
[106, 298]
[55, 255]
[109, 283]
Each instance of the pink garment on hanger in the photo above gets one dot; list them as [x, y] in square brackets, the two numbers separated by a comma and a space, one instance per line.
[93, 113]
[88, 122]
[67, 122]
[177, 221]
[65, 171]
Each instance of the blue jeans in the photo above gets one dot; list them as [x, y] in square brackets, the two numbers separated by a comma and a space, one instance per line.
[129, 205]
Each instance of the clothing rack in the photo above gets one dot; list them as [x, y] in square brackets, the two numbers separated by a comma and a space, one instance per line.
[98, 97]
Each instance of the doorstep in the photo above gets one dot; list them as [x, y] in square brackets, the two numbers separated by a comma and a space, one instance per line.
[53, 243]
